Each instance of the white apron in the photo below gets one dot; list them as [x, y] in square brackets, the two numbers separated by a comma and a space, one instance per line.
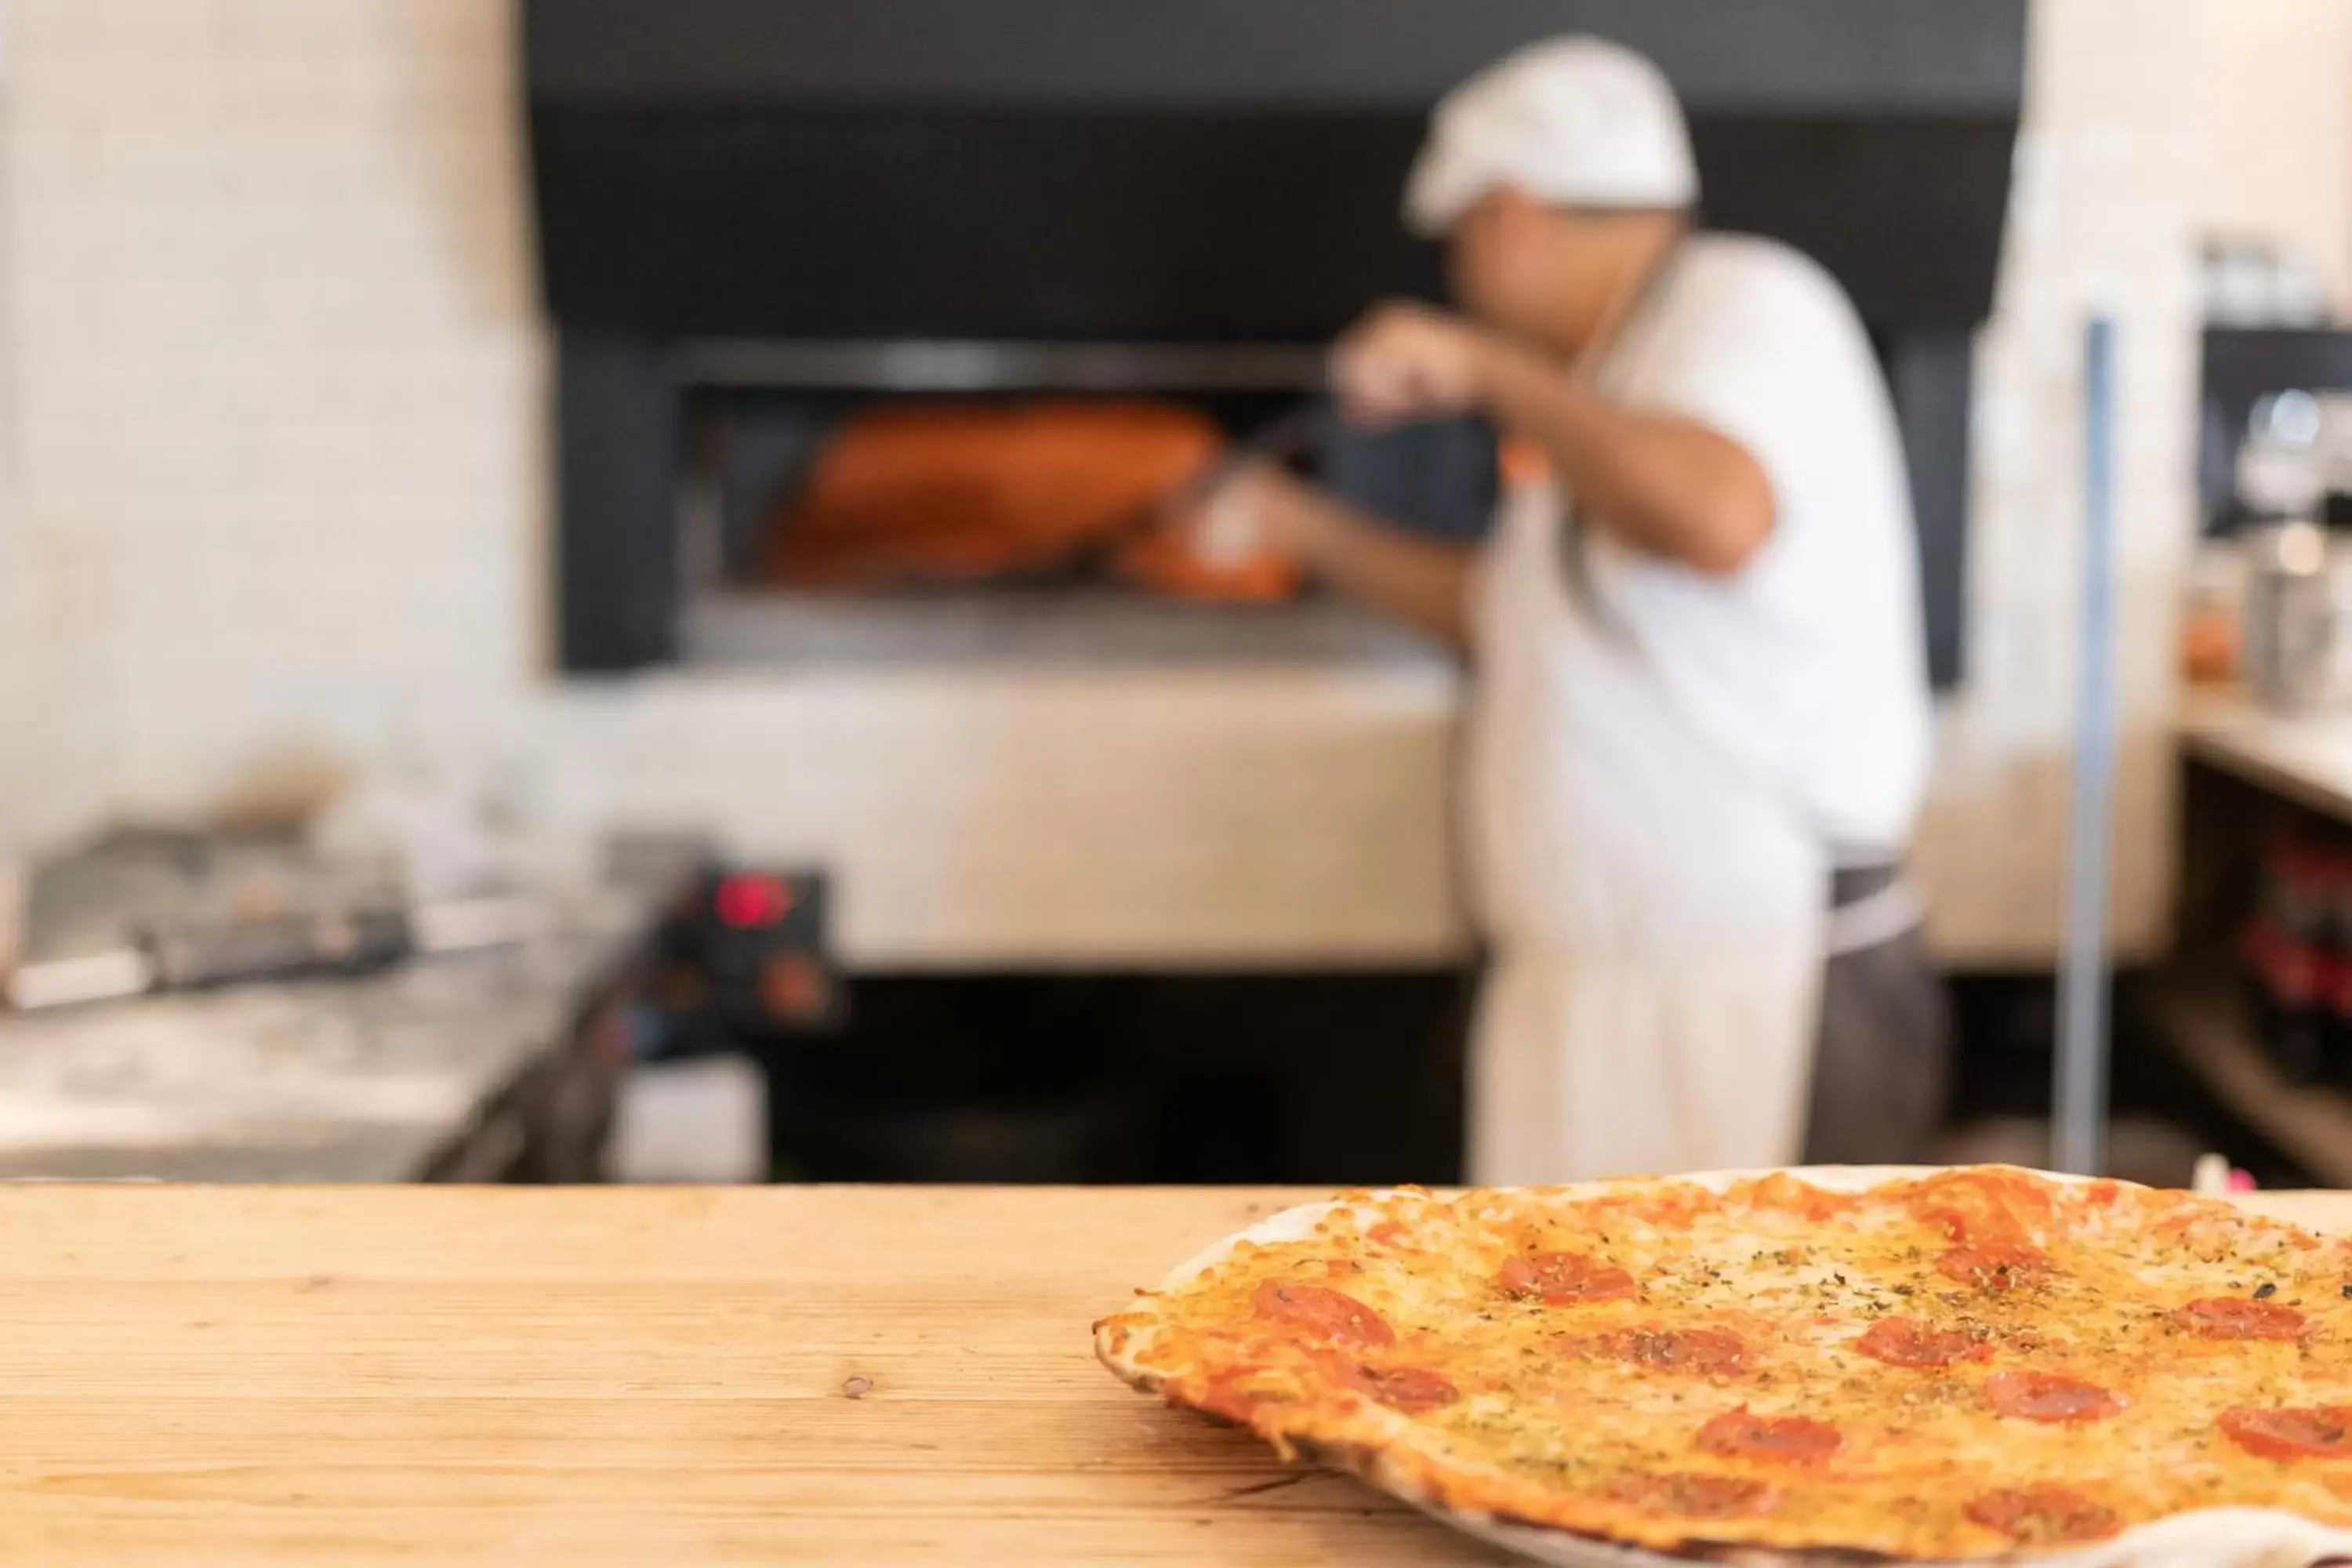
[1656, 913]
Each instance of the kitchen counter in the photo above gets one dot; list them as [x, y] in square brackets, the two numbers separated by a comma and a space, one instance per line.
[632, 1376]
[357, 1079]
[2304, 758]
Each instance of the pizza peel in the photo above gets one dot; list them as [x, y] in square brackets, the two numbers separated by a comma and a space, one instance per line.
[2209, 1537]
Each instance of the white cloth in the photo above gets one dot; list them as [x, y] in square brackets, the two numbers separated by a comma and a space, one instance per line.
[1659, 762]
[1809, 665]
[1573, 121]
[1657, 915]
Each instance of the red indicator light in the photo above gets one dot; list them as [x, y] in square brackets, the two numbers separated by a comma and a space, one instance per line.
[748, 902]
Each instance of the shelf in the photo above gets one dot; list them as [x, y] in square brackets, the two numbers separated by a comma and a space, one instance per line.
[2310, 1124]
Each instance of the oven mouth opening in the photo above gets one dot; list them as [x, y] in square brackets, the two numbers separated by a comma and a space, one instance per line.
[919, 504]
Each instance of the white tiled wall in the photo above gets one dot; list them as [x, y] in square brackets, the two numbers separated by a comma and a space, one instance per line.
[2150, 123]
[279, 478]
[278, 375]
[2103, 218]
[2276, 158]
[23, 703]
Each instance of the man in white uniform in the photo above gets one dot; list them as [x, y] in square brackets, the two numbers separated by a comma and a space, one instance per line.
[1701, 723]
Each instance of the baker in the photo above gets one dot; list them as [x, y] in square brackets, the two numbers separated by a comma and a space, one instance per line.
[1700, 728]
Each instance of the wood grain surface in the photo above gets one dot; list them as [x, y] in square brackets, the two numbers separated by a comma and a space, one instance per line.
[658, 1378]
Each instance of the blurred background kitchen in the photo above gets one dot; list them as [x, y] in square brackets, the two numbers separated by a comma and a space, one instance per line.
[447, 734]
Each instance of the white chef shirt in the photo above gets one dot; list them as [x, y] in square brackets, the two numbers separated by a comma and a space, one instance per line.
[1806, 666]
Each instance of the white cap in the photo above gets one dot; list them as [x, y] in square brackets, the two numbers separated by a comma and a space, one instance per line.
[1576, 121]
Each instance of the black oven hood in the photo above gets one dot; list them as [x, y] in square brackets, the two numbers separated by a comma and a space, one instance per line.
[1224, 170]
[732, 190]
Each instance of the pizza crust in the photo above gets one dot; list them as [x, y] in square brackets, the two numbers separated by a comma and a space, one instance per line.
[1382, 1446]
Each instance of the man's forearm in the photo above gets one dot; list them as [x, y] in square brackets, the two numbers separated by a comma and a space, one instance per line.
[1424, 581]
[1668, 487]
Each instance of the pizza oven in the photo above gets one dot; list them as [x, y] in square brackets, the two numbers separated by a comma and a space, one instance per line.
[872, 317]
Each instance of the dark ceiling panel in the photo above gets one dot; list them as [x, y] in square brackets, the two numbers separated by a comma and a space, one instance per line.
[1961, 56]
[1215, 168]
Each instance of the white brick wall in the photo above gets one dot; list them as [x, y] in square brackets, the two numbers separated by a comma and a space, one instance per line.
[280, 479]
[2275, 157]
[278, 374]
[2102, 217]
[2150, 122]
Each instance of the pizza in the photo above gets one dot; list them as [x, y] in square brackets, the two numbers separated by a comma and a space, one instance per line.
[1976, 1362]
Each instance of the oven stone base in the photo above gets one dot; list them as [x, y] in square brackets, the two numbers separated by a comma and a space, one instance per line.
[1165, 817]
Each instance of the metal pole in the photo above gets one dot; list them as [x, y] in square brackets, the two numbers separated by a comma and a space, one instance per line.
[2078, 1136]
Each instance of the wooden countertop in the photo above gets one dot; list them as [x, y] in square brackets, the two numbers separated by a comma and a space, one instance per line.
[631, 1376]
[2306, 758]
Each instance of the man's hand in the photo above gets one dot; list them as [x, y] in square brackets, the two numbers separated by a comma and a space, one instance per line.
[1261, 505]
[1408, 362]
[1250, 510]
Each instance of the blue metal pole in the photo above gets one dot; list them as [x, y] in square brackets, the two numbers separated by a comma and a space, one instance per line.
[2078, 1136]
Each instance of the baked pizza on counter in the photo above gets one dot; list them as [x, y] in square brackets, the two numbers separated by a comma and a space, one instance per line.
[1960, 1363]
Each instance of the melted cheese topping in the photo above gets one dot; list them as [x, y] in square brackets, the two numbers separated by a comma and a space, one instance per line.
[1661, 1363]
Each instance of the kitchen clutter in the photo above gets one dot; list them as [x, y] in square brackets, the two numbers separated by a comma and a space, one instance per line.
[2252, 281]
[337, 974]
[2295, 644]
[2269, 600]
[2296, 955]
